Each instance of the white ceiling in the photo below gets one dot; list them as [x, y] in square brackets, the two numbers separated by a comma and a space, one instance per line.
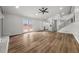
[33, 12]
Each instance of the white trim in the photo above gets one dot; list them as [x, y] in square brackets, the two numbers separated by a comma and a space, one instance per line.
[75, 35]
[7, 44]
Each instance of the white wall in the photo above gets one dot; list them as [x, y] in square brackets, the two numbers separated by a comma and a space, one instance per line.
[77, 14]
[12, 25]
[0, 22]
[0, 30]
[0, 27]
[36, 25]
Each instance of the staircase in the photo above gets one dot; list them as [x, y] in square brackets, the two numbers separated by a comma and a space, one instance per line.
[63, 22]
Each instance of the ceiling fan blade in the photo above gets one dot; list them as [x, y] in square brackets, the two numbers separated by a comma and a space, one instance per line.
[40, 9]
[43, 10]
[46, 8]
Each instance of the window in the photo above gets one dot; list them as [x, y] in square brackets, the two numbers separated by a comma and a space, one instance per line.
[27, 25]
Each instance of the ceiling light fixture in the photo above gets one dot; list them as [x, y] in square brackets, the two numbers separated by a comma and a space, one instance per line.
[77, 9]
[36, 14]
[43, 10]
[17, 6]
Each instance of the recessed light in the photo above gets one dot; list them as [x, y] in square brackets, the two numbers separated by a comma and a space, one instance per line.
[36, 14]
[77, 9]
[17, 6]
[61, 8]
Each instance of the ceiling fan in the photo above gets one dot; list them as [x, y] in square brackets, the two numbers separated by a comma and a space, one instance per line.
[43, 10]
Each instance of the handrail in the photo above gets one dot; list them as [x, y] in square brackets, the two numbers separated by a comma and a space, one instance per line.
[65, 23]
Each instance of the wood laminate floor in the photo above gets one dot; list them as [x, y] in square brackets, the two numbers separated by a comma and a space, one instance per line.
[43, 42]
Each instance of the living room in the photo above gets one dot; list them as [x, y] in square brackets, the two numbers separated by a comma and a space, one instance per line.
[28, 25]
